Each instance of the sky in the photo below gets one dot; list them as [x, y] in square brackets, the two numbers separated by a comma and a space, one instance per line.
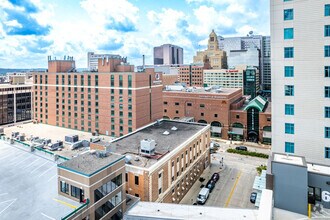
[31, 30]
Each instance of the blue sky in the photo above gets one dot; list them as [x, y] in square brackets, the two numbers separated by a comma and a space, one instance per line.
[30, 30]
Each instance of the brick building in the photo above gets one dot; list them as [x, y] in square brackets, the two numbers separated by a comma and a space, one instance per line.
[226, 110]
[113, 101]
[163, 159]
[192, 75]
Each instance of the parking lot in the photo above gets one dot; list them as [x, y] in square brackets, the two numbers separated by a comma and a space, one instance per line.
[236, 180]
[27, 181]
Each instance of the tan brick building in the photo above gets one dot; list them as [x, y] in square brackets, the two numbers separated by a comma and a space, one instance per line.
[164, 159]
[96, 179]
[225, 109]
[113, 101]
[213, 54]
[192, 75]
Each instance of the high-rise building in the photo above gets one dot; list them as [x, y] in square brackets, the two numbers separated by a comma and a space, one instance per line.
[213, 55]
[301, 85]
[192, 75]
[251, 50]
[167, 54]
[113, 101]
[92, 59]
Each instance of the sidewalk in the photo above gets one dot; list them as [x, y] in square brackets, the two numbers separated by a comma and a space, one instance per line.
[191, 195]
[248, 144]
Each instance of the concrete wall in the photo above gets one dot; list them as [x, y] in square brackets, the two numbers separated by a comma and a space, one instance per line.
[290, 187]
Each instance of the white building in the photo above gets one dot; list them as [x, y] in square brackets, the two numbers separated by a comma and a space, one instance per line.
[300, 54]
[92, 59]
[225, 78]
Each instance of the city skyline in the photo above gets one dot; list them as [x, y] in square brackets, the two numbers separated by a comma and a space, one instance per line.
[32, 30]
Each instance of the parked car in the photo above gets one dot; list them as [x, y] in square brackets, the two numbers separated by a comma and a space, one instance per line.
[215, 177]
[203, 196]
[253, 197]
[242, 148]
[210, 185]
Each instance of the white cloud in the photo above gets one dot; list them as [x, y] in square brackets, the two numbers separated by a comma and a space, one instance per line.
[12, 23]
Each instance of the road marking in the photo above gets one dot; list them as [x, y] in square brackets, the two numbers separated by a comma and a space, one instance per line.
[65, 203]
[46, 171]
[47, 216]
[13, 200]
[52, 178]
[19, 162]
[32, 163]
[38, 167]
[233, 189]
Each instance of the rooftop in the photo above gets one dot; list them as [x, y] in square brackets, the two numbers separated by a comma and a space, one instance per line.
[29, 186]
[130, 144]
[317, 168]
[289, 159]
[175, 211]
[90, 163]
[216, 90]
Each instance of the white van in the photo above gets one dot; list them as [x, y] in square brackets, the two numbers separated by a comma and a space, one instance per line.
[203, 196]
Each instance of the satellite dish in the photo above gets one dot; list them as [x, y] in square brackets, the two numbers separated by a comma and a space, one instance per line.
[251, 32]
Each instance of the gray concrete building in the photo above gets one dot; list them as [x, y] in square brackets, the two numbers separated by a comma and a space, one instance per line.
[168, 54]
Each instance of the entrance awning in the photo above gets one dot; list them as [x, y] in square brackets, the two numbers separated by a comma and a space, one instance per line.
[215, 129]
[238, 131]
[267, 134]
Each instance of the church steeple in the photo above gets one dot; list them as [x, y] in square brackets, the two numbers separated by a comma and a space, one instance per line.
[213, 43]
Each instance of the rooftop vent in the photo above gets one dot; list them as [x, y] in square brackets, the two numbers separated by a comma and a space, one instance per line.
[174, 128]
[147, 147]
[128, 159]
[101, 154]
[166, 133]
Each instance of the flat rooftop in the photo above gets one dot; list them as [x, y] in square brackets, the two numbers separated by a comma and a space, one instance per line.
[129, 144]
[28, 186]
[317, 168]
[201, 90]
[289, 159]
[51, 132]
[191, 212]
[90, 163]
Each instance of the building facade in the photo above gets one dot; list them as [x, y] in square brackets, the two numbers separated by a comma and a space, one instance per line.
[97, 179]
[113, 101]
[168, 54]
[213, 55]
[15, 103]
[266, 65]
[192, 75]
[225, 78]
[92, 59]
[251, 82]
[226, 110]
[301, 84]
[164, 159]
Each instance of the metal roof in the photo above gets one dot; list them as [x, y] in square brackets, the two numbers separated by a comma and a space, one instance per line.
[258, 102]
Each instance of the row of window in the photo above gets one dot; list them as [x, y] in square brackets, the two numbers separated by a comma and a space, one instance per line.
[289, 91]
[289, 32]
[289, 51]
[288, 14]
[289, 71]
[188, 104]
[289, 148]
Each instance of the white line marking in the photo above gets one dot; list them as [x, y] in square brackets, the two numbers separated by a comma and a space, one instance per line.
[15, 157]
[47, 216]
[38, 167]
[32, 163]
[2, 194]
[52, 178]
[13, 200]
[8, 155]
[19, 162]
[46, 171]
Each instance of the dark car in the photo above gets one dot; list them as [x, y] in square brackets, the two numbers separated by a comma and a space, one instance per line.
[253, 197]
[215, 177]
[242, 148]
[210, 185]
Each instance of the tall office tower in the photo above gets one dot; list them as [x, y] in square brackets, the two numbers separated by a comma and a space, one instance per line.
[167, 54]
[92, 59]
[301, 85]
[213, 55]
[251, 50]
[113, 101]
[266, 65]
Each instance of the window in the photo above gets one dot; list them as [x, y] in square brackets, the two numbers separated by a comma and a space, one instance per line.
[327, 112]
[64, 187]
[177, 112]
[327, 152]
[120, 81]
[107, 188]
[288, 33]
[75, 192]
[189, 104]
[326, 30]
[202, 114]
[327, 71]
[327, 51]
[288, 14]
[289, 90]
[288, 71]
[202, 105]
[176, 103]
[165, 103]
[215, 115]
[288, 52]
[327, 10]
[289, 147]
[112, 80]
[327, 132]
[327, 91]
[289, 109]
[289, 128]
[129, 81]
[136, 179]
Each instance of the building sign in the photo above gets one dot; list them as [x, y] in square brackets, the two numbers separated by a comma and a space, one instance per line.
[250, 77]
[231, 71]
[326, 196]
[157, 79]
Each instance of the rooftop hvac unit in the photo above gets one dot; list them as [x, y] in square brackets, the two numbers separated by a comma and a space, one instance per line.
[174, 128]
[166, 133]
[147, 147]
